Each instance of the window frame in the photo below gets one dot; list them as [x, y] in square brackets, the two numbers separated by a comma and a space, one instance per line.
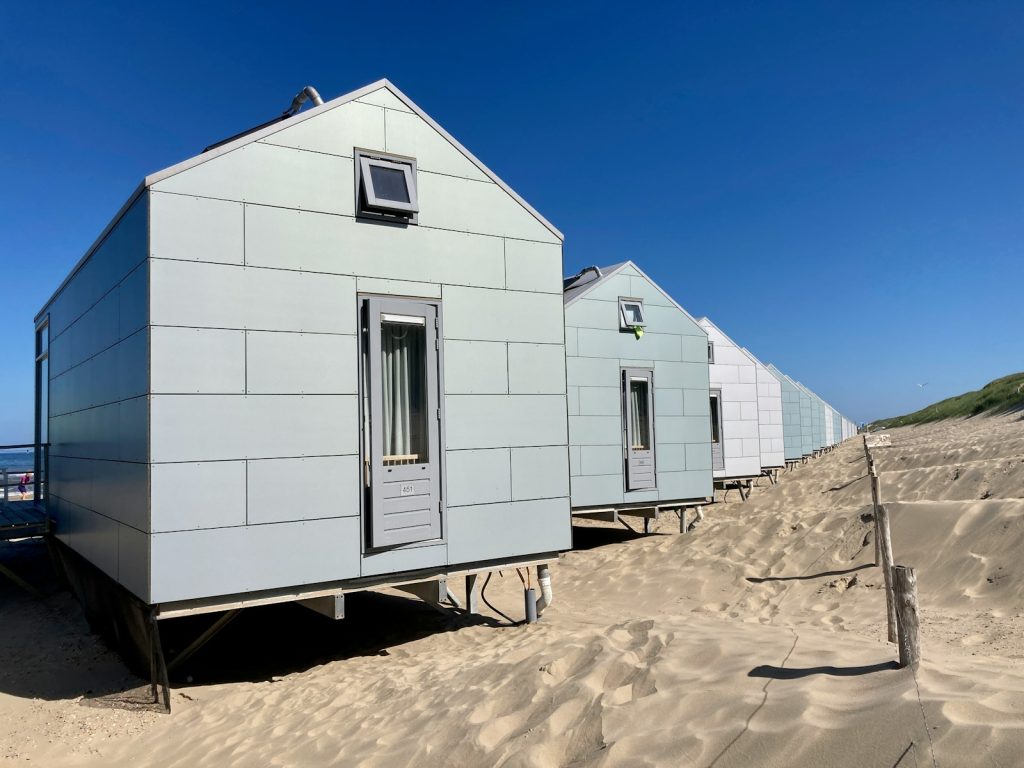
[711, 352]
[624, 324]
[368, 204]
[716, 415]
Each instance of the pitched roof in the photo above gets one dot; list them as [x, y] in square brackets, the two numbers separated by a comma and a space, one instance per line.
[269, 130]
[251, 136]
[589, 278]
[728, 338]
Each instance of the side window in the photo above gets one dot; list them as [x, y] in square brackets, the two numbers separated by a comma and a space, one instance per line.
[711, 352]
[638, 415]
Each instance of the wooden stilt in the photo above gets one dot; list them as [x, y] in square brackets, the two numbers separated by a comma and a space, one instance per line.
[157, 665]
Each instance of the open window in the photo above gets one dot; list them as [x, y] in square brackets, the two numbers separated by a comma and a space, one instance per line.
[638, 414]
[401, 422]
[711, 352]
[386, 187]
[631, 314]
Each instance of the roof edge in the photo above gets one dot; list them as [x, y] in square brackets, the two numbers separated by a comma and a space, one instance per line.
[92, 249]
[630, 263]
[339, 101]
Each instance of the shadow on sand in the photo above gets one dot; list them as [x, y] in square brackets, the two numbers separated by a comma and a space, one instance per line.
[808, 577]
[795, 673]
[48, 652]
[592, 537]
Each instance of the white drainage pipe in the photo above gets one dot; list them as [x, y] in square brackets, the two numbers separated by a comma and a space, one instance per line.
[546, 594]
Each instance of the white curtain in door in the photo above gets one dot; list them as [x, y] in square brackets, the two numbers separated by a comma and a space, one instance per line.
[638, 414]
[402, 374]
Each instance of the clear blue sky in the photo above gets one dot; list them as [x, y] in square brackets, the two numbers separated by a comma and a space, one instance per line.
[843, 182]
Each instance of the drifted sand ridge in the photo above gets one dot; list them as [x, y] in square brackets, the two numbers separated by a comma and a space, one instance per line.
[756, 639]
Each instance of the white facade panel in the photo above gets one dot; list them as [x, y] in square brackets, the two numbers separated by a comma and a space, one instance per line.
[202, 295]
[203, 494]
[197, 360]
[448, 202]
[300, 363]
[480, 314]
[479, 477]
[271, 175]
[189, 228]
[475, 367]
[227, 427]
[283, 490]
[536, 369]
[531, 266]
[493, 421]
[288, 239]
[253, 557]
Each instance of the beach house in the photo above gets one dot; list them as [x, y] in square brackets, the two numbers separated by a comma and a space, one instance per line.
[736, 444]
[637, 368]
[320, 356]
[770, 419]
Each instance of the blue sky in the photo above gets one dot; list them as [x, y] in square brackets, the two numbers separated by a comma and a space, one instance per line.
[839, 186]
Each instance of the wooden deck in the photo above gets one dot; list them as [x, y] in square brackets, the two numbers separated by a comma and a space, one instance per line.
[22, 519]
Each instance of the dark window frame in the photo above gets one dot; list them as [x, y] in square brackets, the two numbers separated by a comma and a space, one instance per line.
[624, 322]
[368, 204]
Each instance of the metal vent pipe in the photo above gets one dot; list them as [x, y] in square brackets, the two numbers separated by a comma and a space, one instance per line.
[309, 93]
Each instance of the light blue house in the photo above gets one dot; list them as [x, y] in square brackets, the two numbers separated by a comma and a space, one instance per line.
[637, 368]
[321, 356]
[792, 434]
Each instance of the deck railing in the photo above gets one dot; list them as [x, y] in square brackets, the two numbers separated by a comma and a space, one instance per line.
[14, 469]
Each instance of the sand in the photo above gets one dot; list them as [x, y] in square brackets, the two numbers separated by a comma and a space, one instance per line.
[756, 639]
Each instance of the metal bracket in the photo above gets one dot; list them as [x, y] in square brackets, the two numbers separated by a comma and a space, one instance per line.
[331, 606]
[432, 592]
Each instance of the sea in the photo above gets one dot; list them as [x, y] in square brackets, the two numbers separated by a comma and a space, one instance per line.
[17, 460]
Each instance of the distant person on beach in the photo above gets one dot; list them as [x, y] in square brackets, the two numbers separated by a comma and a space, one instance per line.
[23, 484]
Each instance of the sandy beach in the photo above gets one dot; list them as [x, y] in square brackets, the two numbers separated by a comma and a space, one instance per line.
[756, 639]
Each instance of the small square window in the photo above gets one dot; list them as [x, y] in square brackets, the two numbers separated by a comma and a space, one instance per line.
[711, 352]
[631, 314]
[386, 186]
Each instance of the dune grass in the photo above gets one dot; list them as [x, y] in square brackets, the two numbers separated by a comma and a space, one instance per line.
[999, 396]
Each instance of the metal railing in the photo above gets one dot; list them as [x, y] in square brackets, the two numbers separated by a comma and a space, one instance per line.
[23, 477]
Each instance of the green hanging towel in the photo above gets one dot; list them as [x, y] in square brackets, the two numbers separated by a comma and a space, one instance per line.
[638, 330]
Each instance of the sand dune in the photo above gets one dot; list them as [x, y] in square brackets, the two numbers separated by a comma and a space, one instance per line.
[756, 639]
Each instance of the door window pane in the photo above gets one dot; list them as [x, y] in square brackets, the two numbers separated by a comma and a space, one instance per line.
[639, 393]
[404, 392]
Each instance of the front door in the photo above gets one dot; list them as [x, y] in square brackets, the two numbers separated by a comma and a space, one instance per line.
[638, 414]
[402, 412]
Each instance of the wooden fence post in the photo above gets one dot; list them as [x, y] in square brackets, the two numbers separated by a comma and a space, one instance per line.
[905, 587]
[876, 501]
[885, 543]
